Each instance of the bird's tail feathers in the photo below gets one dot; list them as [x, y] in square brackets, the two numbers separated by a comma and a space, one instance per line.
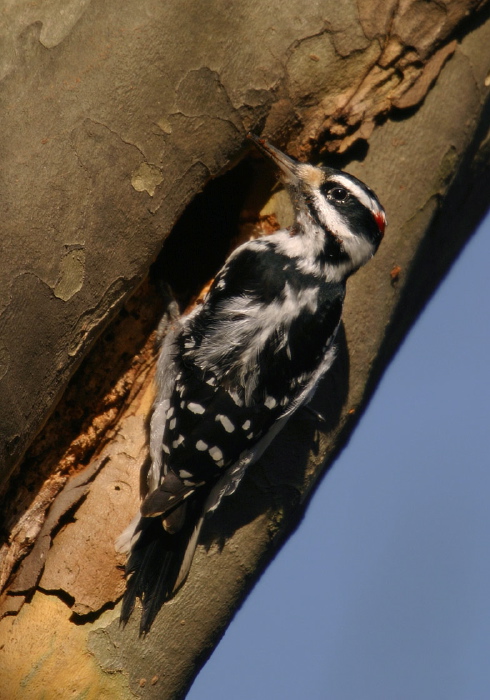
[212, 500]
[125, 540]
[159, 562]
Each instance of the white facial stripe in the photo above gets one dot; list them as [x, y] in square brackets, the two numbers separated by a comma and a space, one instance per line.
[331, 217]
[358, 248]
[359, 192]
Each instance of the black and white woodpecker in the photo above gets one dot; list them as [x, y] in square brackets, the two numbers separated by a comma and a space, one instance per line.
[233, 371]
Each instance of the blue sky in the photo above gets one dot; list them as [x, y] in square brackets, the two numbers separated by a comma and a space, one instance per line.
[383, 592]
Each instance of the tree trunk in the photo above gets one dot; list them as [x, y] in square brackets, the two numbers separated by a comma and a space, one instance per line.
[116, 116]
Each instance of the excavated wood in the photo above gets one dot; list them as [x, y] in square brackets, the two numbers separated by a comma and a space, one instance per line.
[74, 490]
[84, 420]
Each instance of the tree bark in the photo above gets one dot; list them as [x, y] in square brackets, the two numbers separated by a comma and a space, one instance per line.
[116, 116]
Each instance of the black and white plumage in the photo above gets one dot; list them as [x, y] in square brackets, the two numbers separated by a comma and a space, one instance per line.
[234, 370]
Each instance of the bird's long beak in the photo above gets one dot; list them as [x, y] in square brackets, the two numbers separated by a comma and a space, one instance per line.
[294, 175]
[287, 166]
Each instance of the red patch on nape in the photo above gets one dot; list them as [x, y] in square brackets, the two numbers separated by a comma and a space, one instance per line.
[380, 219]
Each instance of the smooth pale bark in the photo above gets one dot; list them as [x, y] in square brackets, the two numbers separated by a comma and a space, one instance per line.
[116, 115]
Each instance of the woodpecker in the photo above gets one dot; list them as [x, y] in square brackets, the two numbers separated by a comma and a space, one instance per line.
[232, 372]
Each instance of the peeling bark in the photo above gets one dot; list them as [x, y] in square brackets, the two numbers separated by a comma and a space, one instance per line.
[117, 116]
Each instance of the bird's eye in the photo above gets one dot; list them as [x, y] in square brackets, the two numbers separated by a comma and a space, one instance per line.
[338, 193]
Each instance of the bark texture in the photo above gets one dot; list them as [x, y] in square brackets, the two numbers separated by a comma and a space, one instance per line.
[116, 116]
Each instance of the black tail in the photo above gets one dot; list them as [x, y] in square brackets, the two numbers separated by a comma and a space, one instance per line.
[150, 571]
[154, 564]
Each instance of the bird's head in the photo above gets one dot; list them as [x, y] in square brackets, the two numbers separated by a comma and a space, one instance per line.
[344, 207]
